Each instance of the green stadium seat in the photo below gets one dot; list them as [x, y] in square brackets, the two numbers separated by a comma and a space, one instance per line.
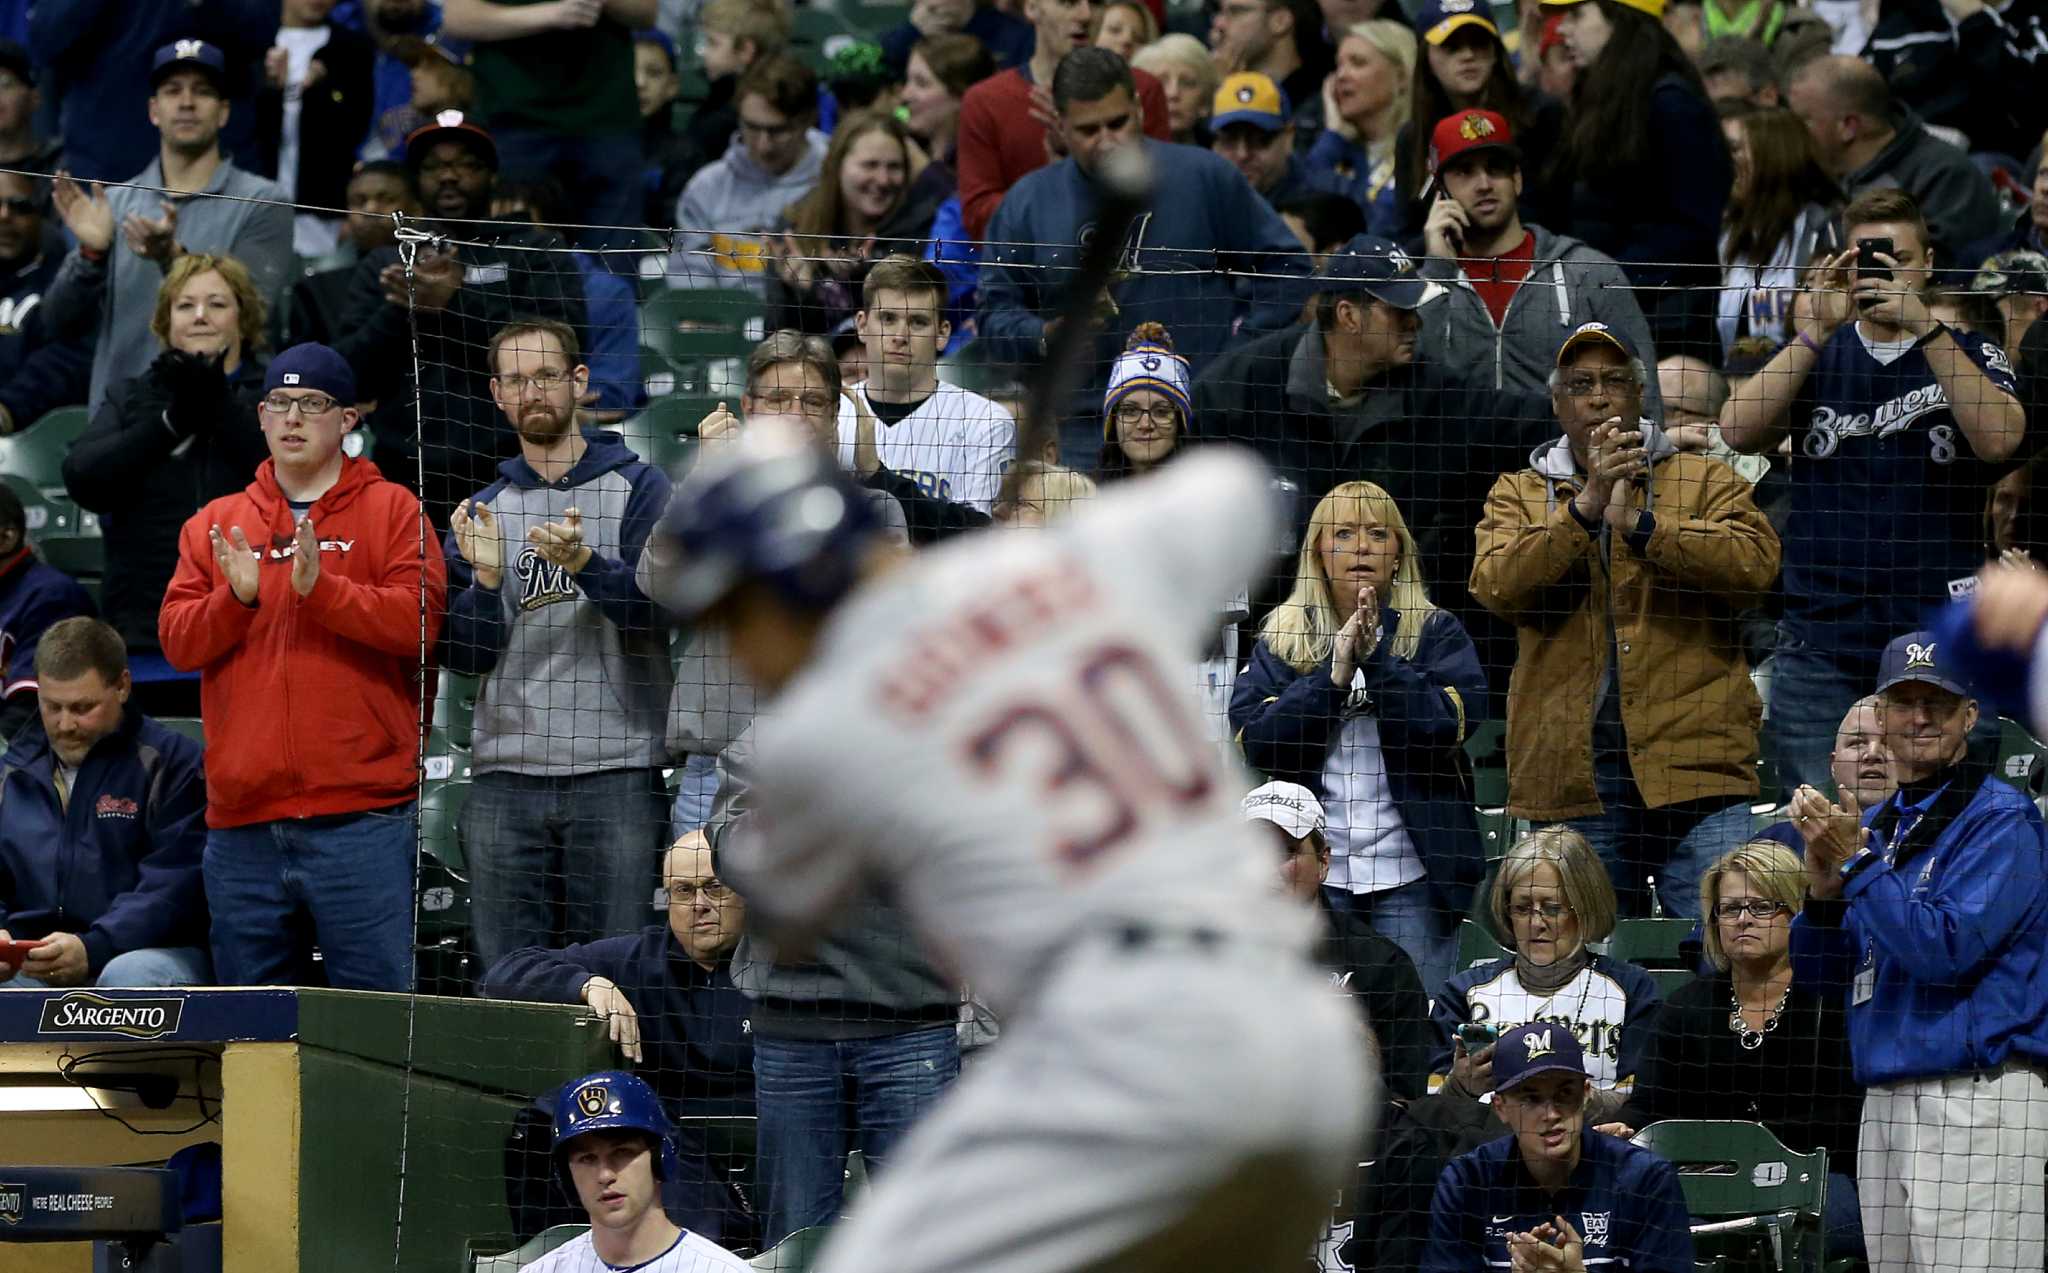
[542, 1243]
[63, 534]
[454, 724]
[1669, 979]
[1476, 945]
[440, 816]
[1653, 943]
[698, 324]
[1496, 832]
[37, 452]
[190, 726]
[1733, 1172]
[794, 1254]
[2022, 760]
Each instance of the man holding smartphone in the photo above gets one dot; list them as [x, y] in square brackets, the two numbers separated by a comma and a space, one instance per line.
[1901, 426]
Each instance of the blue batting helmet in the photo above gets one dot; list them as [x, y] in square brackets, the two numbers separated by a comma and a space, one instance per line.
[612, 1100]
[771, 508]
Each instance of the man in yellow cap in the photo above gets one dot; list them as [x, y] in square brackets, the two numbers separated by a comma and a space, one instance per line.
[1250, 122]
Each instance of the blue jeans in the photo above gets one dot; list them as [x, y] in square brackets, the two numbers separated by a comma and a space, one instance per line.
[601, 174]
[1811, 691]
[1635, 842]
[146, 969]
[696, 796]
[1410, 917]
[816, 1101]
[556, 861]
[1844, 1219]
[343, 882]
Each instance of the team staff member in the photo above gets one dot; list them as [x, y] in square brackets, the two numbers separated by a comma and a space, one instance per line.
[1556, 1195]
[1934, 916]
[304, 603]
[1901, 425]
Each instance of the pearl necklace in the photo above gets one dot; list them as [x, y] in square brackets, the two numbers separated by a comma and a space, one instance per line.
[1750, 1039]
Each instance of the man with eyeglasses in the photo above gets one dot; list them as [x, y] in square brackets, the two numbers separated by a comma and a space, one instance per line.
[729, 209]
[566, 806]
[457, 297]
[307, 604]
[666, 997]
[1624, 564]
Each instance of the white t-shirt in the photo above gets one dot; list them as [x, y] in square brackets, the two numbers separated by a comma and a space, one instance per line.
[1370, 850]
[690, 1254]
[955, 445]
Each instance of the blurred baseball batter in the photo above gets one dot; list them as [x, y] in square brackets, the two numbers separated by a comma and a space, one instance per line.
[1001, 734]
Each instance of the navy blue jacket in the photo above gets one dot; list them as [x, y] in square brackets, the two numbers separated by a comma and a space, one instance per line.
[1009, 40]
[120, 866]
[1624, 1200]
[33, 596]
[38, 370]
[1287, 721]
[1941, 939]
[694, 1027]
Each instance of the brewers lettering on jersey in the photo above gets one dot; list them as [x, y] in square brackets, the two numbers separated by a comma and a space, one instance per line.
[1594, 1006]
[1172, 1068]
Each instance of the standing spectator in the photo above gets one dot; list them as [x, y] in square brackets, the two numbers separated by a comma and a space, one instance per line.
[1362, 689]
[1516, 290]
[1739, 68]
[565, 809]
[400, 29]
[2016, 282]
[554, 83]
[1511, 1203]
[39, 370]
[735, 36]
[320, 301]
[1866, 141]
[21, 147]
[313, 110]
[1251, 125]
[1010, 126]
[1897, 420]
[1643, 171]
[1933, 917]
[454, 300]
[1371, 968]
[667, 156]
[665, 995]
[1188, 77]
[175, 437]
[1125, 27]
[1752, 1041]
[942, 69]
[856, 212]
[1276, 39]
[1203, 210]
[440, 80]
[307, 603]
[33, 596]
[110, 288]
[1366, 106]
[1784, 214]
[728, 210]
[1465, 66]
[114, 899]
[953, 443]
[1624, 563]
[1008, 38]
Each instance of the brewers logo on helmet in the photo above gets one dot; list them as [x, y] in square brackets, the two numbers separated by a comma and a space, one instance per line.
[608, 1100]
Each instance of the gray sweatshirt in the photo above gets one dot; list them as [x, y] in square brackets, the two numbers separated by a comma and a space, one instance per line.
[726, 212]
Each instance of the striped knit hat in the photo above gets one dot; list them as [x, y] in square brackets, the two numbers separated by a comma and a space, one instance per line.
[1148, 362]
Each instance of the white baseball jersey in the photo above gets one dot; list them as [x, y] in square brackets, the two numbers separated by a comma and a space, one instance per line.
[1001, 732]
[955, 445]
[690, 1254]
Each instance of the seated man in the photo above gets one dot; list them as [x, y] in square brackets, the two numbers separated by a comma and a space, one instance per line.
[33, 596]
[113, 897]
[1555, 1195]
[666, 995]
[613, 1148]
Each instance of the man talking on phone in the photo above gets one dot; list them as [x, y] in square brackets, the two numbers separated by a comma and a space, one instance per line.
[1900, 426]
[1481, 250]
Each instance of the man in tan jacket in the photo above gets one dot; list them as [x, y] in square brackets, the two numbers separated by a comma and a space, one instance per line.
[1623, 564]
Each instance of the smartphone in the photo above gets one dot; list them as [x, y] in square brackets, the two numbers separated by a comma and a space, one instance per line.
[16, 952]
[1476, 1035]
[1453, 233]
[1867, 264]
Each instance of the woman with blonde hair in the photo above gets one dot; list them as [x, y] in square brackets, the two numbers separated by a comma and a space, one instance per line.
[1750, 1041]
[1552, 900]
[1361, 690]
[1365, 101]
[1183, 67]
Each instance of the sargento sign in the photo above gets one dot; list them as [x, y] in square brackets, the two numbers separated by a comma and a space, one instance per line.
[85, 1013]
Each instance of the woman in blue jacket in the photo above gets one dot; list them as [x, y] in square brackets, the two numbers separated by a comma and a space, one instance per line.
[1362, 690]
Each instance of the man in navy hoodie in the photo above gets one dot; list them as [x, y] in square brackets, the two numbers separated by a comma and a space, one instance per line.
[102, 823]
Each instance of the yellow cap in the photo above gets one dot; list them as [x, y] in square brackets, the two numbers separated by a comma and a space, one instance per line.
[1249, 98]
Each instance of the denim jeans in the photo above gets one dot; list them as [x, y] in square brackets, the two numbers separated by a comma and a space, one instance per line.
[1635, 842]
[1410, 917]
[601, 174]
[696, 796]
[1811, 691]
[556, 861]
[146, 969]
[344, 882]
[816, 1101]
[1844, 1219]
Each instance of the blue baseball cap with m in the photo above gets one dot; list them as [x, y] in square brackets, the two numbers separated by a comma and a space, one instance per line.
[312, 366]
[1541, 1047]
[197, 55]
[1919, 656]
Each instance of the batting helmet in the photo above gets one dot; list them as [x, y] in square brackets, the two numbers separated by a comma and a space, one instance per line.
[612, 1100]
[770, 508]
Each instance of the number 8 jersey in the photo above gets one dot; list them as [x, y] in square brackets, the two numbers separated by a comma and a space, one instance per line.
[1004, 734]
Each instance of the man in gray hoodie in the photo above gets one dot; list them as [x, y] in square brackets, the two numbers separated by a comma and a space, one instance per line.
[566, 814]
[727, 215]
[1514, 291]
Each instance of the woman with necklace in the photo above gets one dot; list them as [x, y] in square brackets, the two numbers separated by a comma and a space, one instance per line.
[1747, 1043]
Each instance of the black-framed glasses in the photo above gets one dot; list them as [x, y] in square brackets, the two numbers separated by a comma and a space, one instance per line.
[758, 129]
[312, 404]
[545, 381]
[1762, 909]
[713, 891]
[1160, 413]
[792, 400]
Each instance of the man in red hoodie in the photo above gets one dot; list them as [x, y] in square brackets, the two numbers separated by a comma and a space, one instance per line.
[307, 604]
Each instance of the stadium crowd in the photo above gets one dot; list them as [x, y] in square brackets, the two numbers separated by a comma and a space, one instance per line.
[1637, 374]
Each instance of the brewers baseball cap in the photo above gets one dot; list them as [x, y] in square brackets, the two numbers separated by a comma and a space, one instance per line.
[1541, 1047]
[1917, 656]
[450, 125]
[1470, 132]
[2014, 273]
[313, 366]
[1439, 18]
[198, 55]
[1249, 98]
[1287, 805]
[1377, 267]
[1593, 334]
[1655, 8]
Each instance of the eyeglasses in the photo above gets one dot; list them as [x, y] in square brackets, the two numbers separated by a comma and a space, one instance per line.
[545, 381]
[1758, 908]
[1161, 413]
[1583, 384]
[713, 891]
[794, 400]
[1530, 910]
[466, 166]
[16, 206]
[312, 404]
